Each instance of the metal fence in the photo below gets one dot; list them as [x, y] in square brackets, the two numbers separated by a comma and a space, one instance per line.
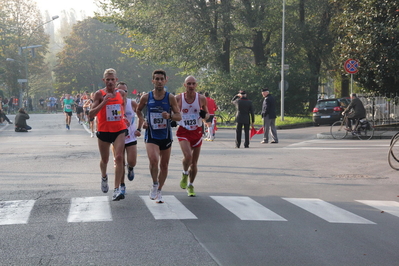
[382, 110]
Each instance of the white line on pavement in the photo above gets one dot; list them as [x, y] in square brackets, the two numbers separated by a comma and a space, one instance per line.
[327, 211]
[246, 208]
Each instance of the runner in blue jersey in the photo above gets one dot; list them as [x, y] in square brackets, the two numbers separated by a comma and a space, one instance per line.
[162, 108]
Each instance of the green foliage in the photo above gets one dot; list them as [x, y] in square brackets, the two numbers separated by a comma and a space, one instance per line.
[20, 26]
[368, 31]
[91, 48]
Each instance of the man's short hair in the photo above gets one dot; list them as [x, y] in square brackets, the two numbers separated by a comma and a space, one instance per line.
[354, 95]
[109, 71]
[206, 94]
[121, 83]
[158, 71]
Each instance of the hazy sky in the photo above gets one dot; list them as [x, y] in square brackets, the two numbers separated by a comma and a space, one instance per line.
[56, 6]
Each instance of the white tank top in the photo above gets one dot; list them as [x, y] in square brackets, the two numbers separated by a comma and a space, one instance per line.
[191, 119]
[131, 117]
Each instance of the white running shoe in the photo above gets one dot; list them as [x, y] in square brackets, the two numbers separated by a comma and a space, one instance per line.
[104, 184]
[159, 197]
[92, 135]
[117, 195]
[153, 192]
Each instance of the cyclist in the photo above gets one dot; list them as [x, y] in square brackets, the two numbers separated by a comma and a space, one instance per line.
[355, 112]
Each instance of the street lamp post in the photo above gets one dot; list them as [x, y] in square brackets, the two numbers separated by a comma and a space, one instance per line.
[21, 51]
[282, 83]
[20, 81]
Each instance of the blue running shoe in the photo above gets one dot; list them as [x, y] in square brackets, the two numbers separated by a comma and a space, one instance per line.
[122, 188]
[130, 173]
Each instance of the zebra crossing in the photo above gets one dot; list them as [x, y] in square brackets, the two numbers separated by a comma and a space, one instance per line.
[98, 209]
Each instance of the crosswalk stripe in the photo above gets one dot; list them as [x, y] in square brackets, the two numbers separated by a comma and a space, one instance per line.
[391, 207]
[89, 209]
[15, 212]
[327, 211]
[172, 208]
[246, 208]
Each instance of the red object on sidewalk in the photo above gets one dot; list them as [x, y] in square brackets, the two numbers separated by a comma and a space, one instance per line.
[254, 132]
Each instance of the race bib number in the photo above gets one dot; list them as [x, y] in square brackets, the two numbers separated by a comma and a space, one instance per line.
[190, 121]
[157, 121]
[67, 106]
[114, 112]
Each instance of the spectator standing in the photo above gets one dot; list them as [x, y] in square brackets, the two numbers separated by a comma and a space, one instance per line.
[210, 123]
[41, 103]
[30, 105]
[2, 113]
[244, 117]
[269, 117]
[10, 105]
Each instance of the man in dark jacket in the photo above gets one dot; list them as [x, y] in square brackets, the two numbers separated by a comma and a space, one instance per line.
[20, 121]
[245, 109]
[269, 117]
[356, 112]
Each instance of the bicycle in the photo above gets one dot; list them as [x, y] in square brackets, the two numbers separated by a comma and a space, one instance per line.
[364, 131]
[393, 153]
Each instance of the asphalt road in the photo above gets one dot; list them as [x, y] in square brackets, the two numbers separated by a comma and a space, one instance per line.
[303, 201]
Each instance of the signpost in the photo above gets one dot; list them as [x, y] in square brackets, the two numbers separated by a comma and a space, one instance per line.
[351, 67]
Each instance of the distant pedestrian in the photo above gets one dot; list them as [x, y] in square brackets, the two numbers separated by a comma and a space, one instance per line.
[210, 122]
[20, 121]
[244, 117]
[269, 117]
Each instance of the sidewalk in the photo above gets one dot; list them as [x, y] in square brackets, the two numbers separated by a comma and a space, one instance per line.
[378, 134]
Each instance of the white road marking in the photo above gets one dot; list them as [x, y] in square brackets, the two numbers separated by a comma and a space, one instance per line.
[15, 212]
[320, 144]
[89, 209]
[391, 207]
[246, 208]
[172, 208]
[327, 211]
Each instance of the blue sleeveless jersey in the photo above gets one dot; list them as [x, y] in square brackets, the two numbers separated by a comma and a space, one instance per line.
[158, 127]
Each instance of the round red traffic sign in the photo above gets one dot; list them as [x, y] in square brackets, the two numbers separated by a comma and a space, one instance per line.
[351, 66]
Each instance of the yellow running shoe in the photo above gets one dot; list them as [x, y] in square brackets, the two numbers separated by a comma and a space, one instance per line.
[190, 191]
[183, 181]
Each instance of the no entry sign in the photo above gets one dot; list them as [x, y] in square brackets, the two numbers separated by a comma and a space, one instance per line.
[351, 66]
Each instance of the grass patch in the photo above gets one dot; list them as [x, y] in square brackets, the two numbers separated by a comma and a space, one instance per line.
[288, 120]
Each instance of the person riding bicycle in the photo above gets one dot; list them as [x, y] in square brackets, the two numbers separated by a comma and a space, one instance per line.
[355, 111]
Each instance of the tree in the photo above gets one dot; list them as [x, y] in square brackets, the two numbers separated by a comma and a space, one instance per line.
[91, 48]
[21, 20]
[314, 40]
[367, 31]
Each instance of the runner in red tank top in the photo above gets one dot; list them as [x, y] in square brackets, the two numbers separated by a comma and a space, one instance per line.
[108, 106]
